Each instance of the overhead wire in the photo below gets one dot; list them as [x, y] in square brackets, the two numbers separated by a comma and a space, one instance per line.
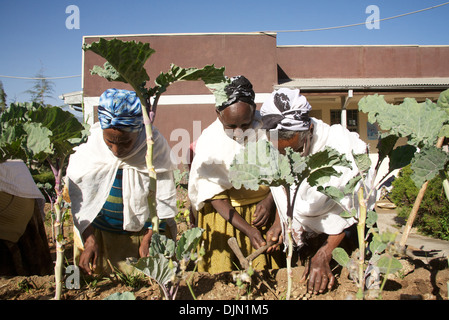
[275, 31]
[39, 78]
[361, 23]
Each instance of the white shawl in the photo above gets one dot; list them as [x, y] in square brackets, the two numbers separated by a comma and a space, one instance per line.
[214, 153]
[92, 170]
[314, 211]
[16, 179]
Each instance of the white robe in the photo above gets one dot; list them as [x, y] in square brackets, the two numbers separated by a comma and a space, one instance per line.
[92, 170]
[313, 211]
[214, 153]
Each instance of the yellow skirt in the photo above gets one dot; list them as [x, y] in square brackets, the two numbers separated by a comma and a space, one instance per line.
[219, 256]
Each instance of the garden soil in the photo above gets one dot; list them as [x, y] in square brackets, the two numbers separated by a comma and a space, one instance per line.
[420, 279]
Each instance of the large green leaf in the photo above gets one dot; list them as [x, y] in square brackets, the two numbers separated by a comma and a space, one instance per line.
[38, 143]
[427, 164]
[188, 242]
[377, 247]
[421, 123]
[210, 75]
[384, 146]
[388, 264]
[125, 59]
[322, 175]
[63, 126]
[160, 244]
[362, 161]
[260, 163]
[30, 131]
[108, 72]
[352, 183]
[332, 192]
[12, 149]
[401, 157]
[443, 101]
[340, 255]
[157, 267]
[121, 296]
[125, 62]
[328, 157]
[16, 113]
[322, 166]
[218, 89]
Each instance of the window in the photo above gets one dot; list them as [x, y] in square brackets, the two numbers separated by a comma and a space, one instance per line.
[352, 116]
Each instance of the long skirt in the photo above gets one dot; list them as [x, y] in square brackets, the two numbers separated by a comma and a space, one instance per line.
[219, 256]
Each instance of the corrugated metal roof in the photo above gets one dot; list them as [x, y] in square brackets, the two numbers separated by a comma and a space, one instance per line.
[366, 83]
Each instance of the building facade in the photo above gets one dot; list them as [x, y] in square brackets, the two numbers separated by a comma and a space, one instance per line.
[333, 78]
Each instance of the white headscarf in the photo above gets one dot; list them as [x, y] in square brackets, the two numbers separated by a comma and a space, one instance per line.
[286, 109]
[91, 173]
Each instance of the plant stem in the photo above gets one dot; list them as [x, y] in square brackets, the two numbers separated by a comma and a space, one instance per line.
[290, 240]
[188, 282]
[361, 237]
[385, 278]
[149, 161]
[416, 205]
[289, 258]
[58, 227]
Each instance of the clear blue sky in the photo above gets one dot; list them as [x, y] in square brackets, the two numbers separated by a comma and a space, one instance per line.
[33, 34]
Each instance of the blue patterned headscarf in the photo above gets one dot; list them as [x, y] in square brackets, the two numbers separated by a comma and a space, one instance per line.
[120, 109]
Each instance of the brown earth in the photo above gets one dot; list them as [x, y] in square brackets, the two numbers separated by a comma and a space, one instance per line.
[421, 282]
[418, 280]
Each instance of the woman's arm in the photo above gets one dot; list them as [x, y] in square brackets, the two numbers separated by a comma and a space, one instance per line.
[224, 208]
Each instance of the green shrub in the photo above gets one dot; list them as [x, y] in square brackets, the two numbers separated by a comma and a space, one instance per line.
[45, 181]
[433, 214]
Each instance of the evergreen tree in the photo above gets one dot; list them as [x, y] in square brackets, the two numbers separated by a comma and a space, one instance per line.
[2, 98]
[42, 88]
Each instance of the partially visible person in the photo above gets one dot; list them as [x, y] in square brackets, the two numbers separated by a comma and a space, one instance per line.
[24, 249]
[223, 211]
[108, 185]
[317, 226]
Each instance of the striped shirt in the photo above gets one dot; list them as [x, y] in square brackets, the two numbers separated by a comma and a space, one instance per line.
[110, 217]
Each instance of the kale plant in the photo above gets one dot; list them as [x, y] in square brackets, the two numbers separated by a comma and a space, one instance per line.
[167, 261]
[39, 135]
[260, 163]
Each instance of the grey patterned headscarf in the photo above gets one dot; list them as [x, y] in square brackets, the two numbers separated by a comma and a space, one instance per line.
[286, 109]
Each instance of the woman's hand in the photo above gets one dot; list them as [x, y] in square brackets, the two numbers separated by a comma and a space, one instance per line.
[224, 208]
[263, 211]
[255, 237]
[320, 274]
[89, 256]
[319, 271]
[144, 248]
[274, 234]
